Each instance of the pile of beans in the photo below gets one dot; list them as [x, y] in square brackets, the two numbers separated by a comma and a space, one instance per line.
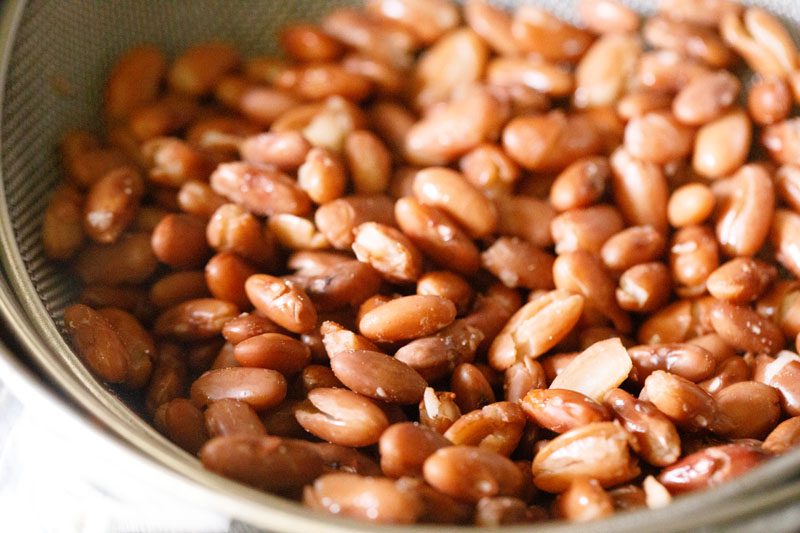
[452, 265]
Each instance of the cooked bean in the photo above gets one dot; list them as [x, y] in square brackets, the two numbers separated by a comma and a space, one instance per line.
[686, 360]
[497, 427]
[283, 301]
[711, 467]
[631, 247]
[180, 241]
[471, 388]
[262, 190]
[367, 498]
[274, 351]
[537, 31]
[550, 142]
[518, 263]
[769, 101]
[305, 42]
[562, 460]
[607, 16]
[721, 146]
[745, 210]
[378, 376]
[583, 501]
[407, 318]
[129, 260]
[784, 437]
[603, 72]
[561, 410]
[405, 446]
[686, 404]
[536, 327]
[342, 417]
[62, 226]
[690, 205]
[339, 218]
[97, 342]
[433, 232]
[269, 463]
[468, 473]
[232, 417]
[599, 368]
[640, 190]
[745, 330]
[655, 438]
[198, 319]
[781, 374]
[322, 176]
[585, 229]
[583, 272]
[259, 387]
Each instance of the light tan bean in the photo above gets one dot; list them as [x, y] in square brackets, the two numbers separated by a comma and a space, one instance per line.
[657, 137]
[497, 427]
[262, 190]
[435, 356]
[655, 438]
[581, 184]
[448, 285]
[388, 251]
[607, 16]
[644, 288]
[180, 241]
[686, 404]
[583, 501]
[603, 72]
[583, 272]
[198, 319]
[688, 361]
[745, 330]
[754, 408]
[585, 229]
[338, 219]
[536, 327]
[631, 247]
[745, 211]
[537, 31]
[199, 199]
[693, 255]
[690, 204]
[374, 499]
[552, 141]
[433, 232]
[693, 41]
[468, 473]
[259, 387]
[274, 351]
[305, 42]
[493, 24]
[706, 97]
[721, 146]
[476, 114]
[518, 263]
[322, 176]
[407, 317]
[784, 437]
[561, 410]
[283, 301]
[405, 446]
[562, 460]
[769, 100]
[286, 149]
[135, 80]
[640, 190]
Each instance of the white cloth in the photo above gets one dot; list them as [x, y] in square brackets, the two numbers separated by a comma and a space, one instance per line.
[50, 482]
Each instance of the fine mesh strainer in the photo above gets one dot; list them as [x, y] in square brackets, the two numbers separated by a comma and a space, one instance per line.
[55, 58]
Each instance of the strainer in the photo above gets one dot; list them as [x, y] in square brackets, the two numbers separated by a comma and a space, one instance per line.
[55, 55]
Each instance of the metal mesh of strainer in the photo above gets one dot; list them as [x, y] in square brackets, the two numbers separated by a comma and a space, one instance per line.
[55, 62]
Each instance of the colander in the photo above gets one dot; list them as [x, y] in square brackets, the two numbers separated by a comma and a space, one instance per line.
[55, 56]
